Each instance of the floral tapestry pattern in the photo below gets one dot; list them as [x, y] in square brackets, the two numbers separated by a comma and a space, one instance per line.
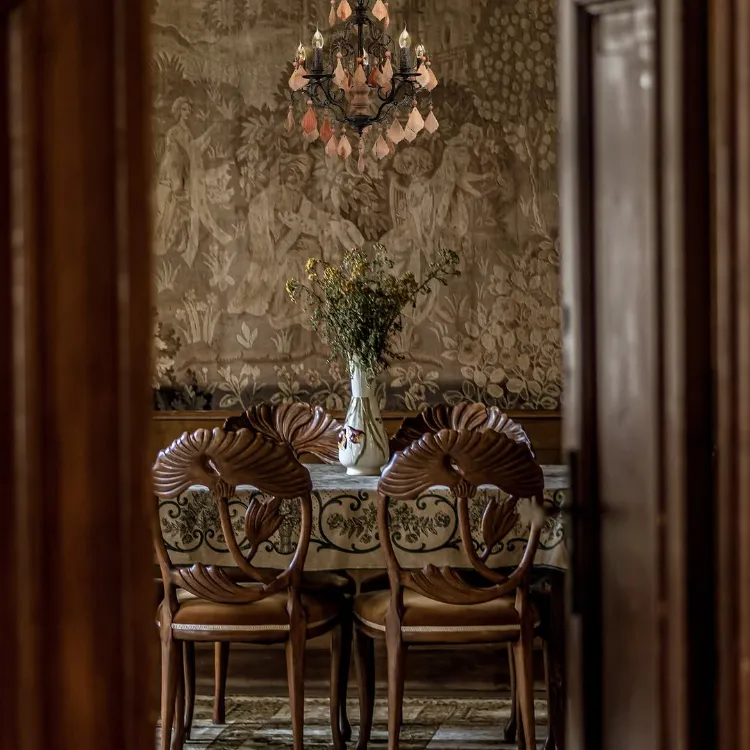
[240, 204]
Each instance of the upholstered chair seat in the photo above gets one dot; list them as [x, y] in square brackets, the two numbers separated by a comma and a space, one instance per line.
[426, 620]
[269, 615]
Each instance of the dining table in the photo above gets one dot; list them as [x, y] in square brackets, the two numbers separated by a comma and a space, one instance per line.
[344, 533]
[425, 530]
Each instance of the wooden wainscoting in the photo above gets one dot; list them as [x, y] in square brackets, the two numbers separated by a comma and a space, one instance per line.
[543, 427]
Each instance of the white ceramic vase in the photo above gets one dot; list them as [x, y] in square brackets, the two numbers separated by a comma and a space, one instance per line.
[363, 443]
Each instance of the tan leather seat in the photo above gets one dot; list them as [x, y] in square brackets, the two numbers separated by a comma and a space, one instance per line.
[195, 614]
[428, 620]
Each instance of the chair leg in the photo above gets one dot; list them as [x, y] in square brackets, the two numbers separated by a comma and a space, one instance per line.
[396, 658]
[364, 650]
[346, 661]
[178, 739]
[550, 741]
[522, 651]
[221, 663]
[295, 670]
[169, 675]
[511, 726]
[338, 634]
[520, 736]
[189, 668]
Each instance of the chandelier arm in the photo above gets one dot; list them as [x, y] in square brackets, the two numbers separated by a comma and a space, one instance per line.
[343, 45]
[390, 102]
[320, 80]
[339, 99]
[328, 102]
[379, 40]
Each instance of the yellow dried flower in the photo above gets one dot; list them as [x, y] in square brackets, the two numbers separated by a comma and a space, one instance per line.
[331, 274]
[310, 265]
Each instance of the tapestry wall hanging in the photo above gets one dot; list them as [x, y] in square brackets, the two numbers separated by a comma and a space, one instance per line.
[240, 205]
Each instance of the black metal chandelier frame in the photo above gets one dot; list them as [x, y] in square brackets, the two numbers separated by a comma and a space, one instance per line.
[324, 93]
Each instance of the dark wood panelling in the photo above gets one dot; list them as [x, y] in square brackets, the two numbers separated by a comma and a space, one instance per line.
[77, 594]
[542, 427]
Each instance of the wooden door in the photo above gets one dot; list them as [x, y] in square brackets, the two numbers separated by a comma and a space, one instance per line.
[76, 623]
[638, 422]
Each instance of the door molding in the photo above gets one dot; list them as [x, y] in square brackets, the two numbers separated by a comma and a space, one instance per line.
[730, 77]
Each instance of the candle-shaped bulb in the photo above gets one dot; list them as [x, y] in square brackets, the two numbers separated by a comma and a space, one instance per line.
[318, 40]
[404, 41]
[365, 59]
[301, 55]
[421, 51]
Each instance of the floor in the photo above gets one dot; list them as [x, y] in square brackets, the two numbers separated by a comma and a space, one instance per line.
[430, 723]
[456, 699]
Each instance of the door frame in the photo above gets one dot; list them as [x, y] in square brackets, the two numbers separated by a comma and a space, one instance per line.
[685, 524]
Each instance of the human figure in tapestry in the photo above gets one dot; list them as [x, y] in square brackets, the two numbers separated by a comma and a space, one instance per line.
[183, 188]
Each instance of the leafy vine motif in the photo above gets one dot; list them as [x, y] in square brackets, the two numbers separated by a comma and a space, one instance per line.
[347, 523]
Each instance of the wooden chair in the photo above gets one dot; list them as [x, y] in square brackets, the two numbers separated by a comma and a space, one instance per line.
[440, 605]
[308, 431]
[465, 416]
[203, 603]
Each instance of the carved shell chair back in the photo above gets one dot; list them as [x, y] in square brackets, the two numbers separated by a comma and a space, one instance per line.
[307, 430]
[462, 461]
[440, 605]
[463, 416]
[204, 603]
[219, 461]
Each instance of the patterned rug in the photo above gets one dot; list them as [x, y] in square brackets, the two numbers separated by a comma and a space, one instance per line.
[429, 724]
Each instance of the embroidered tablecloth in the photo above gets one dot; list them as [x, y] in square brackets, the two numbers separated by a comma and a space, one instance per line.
[345, 534]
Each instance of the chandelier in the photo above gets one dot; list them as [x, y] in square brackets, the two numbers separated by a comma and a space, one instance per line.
[362, 85]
